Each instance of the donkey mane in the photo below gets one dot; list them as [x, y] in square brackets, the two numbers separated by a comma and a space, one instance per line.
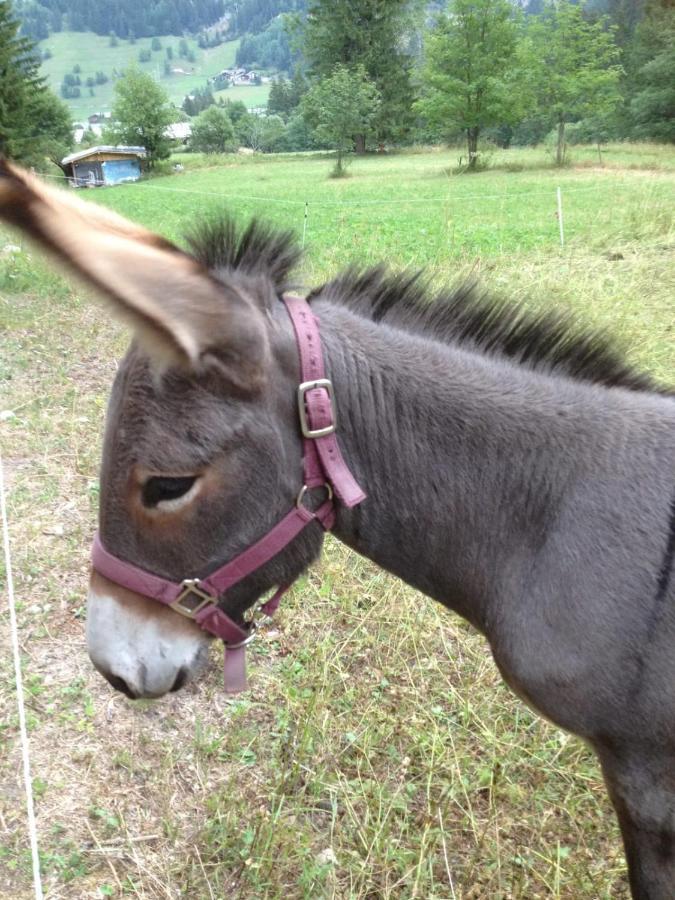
[259, 249]
[550, 341]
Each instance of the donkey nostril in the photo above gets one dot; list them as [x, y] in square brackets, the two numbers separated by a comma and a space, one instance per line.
[120, 685]
[181, 678]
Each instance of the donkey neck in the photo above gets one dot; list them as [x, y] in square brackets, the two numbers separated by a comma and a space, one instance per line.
[464, 458]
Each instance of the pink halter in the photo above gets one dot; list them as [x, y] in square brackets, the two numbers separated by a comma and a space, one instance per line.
[323, 466]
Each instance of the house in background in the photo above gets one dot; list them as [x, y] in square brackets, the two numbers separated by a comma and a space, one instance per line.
[104, 165]
[179, 131]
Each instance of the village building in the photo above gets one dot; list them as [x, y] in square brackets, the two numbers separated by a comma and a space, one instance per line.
[104, 165]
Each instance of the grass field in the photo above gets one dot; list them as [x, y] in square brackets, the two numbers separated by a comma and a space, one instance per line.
[377, 754]
[93, 53]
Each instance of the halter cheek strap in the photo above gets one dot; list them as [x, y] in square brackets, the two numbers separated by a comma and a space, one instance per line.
[323, 466]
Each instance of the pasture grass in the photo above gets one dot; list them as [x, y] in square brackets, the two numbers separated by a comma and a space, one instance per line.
[377, 753]
[93, 53]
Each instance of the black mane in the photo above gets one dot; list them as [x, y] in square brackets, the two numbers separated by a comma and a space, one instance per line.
[260, 249]
[549, 341]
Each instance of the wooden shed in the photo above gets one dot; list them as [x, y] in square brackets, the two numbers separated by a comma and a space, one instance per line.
[99, 166]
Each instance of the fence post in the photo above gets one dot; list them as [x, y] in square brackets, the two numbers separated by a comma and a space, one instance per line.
[304, 224]
[560, 219]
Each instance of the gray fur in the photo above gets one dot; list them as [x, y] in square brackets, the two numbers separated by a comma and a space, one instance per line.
[536, 504]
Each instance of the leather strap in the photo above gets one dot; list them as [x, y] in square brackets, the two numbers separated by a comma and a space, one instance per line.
[330, 466]
[323, 465]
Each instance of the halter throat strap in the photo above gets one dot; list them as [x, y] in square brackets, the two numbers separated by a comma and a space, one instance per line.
[323, 466]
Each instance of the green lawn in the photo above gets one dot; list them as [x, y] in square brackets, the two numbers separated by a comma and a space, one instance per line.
[376, 726]
[93, 53]
[253, 96]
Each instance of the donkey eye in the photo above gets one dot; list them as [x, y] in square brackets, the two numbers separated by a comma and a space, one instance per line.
[160, 488]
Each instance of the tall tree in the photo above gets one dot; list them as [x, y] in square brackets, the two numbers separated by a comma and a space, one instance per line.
[34, 124]
[141, 112]
[368, 34]
[574, 65]
[651, 66]
[472, 71]
[340, 106]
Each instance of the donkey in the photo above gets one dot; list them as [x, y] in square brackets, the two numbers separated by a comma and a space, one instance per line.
[516, 470]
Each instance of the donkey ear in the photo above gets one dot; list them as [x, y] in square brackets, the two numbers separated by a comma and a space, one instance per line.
[180, 313]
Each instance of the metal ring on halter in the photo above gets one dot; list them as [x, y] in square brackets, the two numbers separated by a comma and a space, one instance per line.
[304, 489]
[247, 640]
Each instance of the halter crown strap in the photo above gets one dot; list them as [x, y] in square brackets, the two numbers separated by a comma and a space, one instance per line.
[319, 422]
[323, 465]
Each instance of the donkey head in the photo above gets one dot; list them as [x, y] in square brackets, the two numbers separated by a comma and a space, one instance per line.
[202, 453]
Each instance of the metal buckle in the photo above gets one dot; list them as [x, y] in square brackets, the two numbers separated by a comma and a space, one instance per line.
[191, 588]
[302, 407]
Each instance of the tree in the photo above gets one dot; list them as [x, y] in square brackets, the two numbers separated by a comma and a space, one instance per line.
[341, 106]
[34, 123]
[279, 99]
[212, 132]
[366, 34]
[652, 65]
[50, 135]
[264, 133]
[574, 66]
[141, 113]
[472, 73]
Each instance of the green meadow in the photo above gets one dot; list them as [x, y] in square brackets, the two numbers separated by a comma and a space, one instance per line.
[377, 754]
[93, 53]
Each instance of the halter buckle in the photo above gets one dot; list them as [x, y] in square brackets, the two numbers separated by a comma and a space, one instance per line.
[199, 599]
[303, 389]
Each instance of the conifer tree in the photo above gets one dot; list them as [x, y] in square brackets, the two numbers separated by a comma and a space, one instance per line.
[366, 34]
[34, 124]
[651, 74]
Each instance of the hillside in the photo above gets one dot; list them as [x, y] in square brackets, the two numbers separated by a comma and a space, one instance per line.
[93, 53]
[126, 18]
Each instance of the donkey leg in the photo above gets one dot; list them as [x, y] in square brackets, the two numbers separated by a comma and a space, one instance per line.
[641, 785]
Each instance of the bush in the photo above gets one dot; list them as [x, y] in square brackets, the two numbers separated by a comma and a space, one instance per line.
[212, 132]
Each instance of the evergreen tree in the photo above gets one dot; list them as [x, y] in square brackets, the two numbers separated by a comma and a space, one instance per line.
[297, 88]
[651, 100]
[366, 34]
[141, 113]
[34, 124]
[279, 100]
[127, 18]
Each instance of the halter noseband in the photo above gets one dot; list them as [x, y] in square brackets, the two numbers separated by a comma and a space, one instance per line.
[323, 466]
